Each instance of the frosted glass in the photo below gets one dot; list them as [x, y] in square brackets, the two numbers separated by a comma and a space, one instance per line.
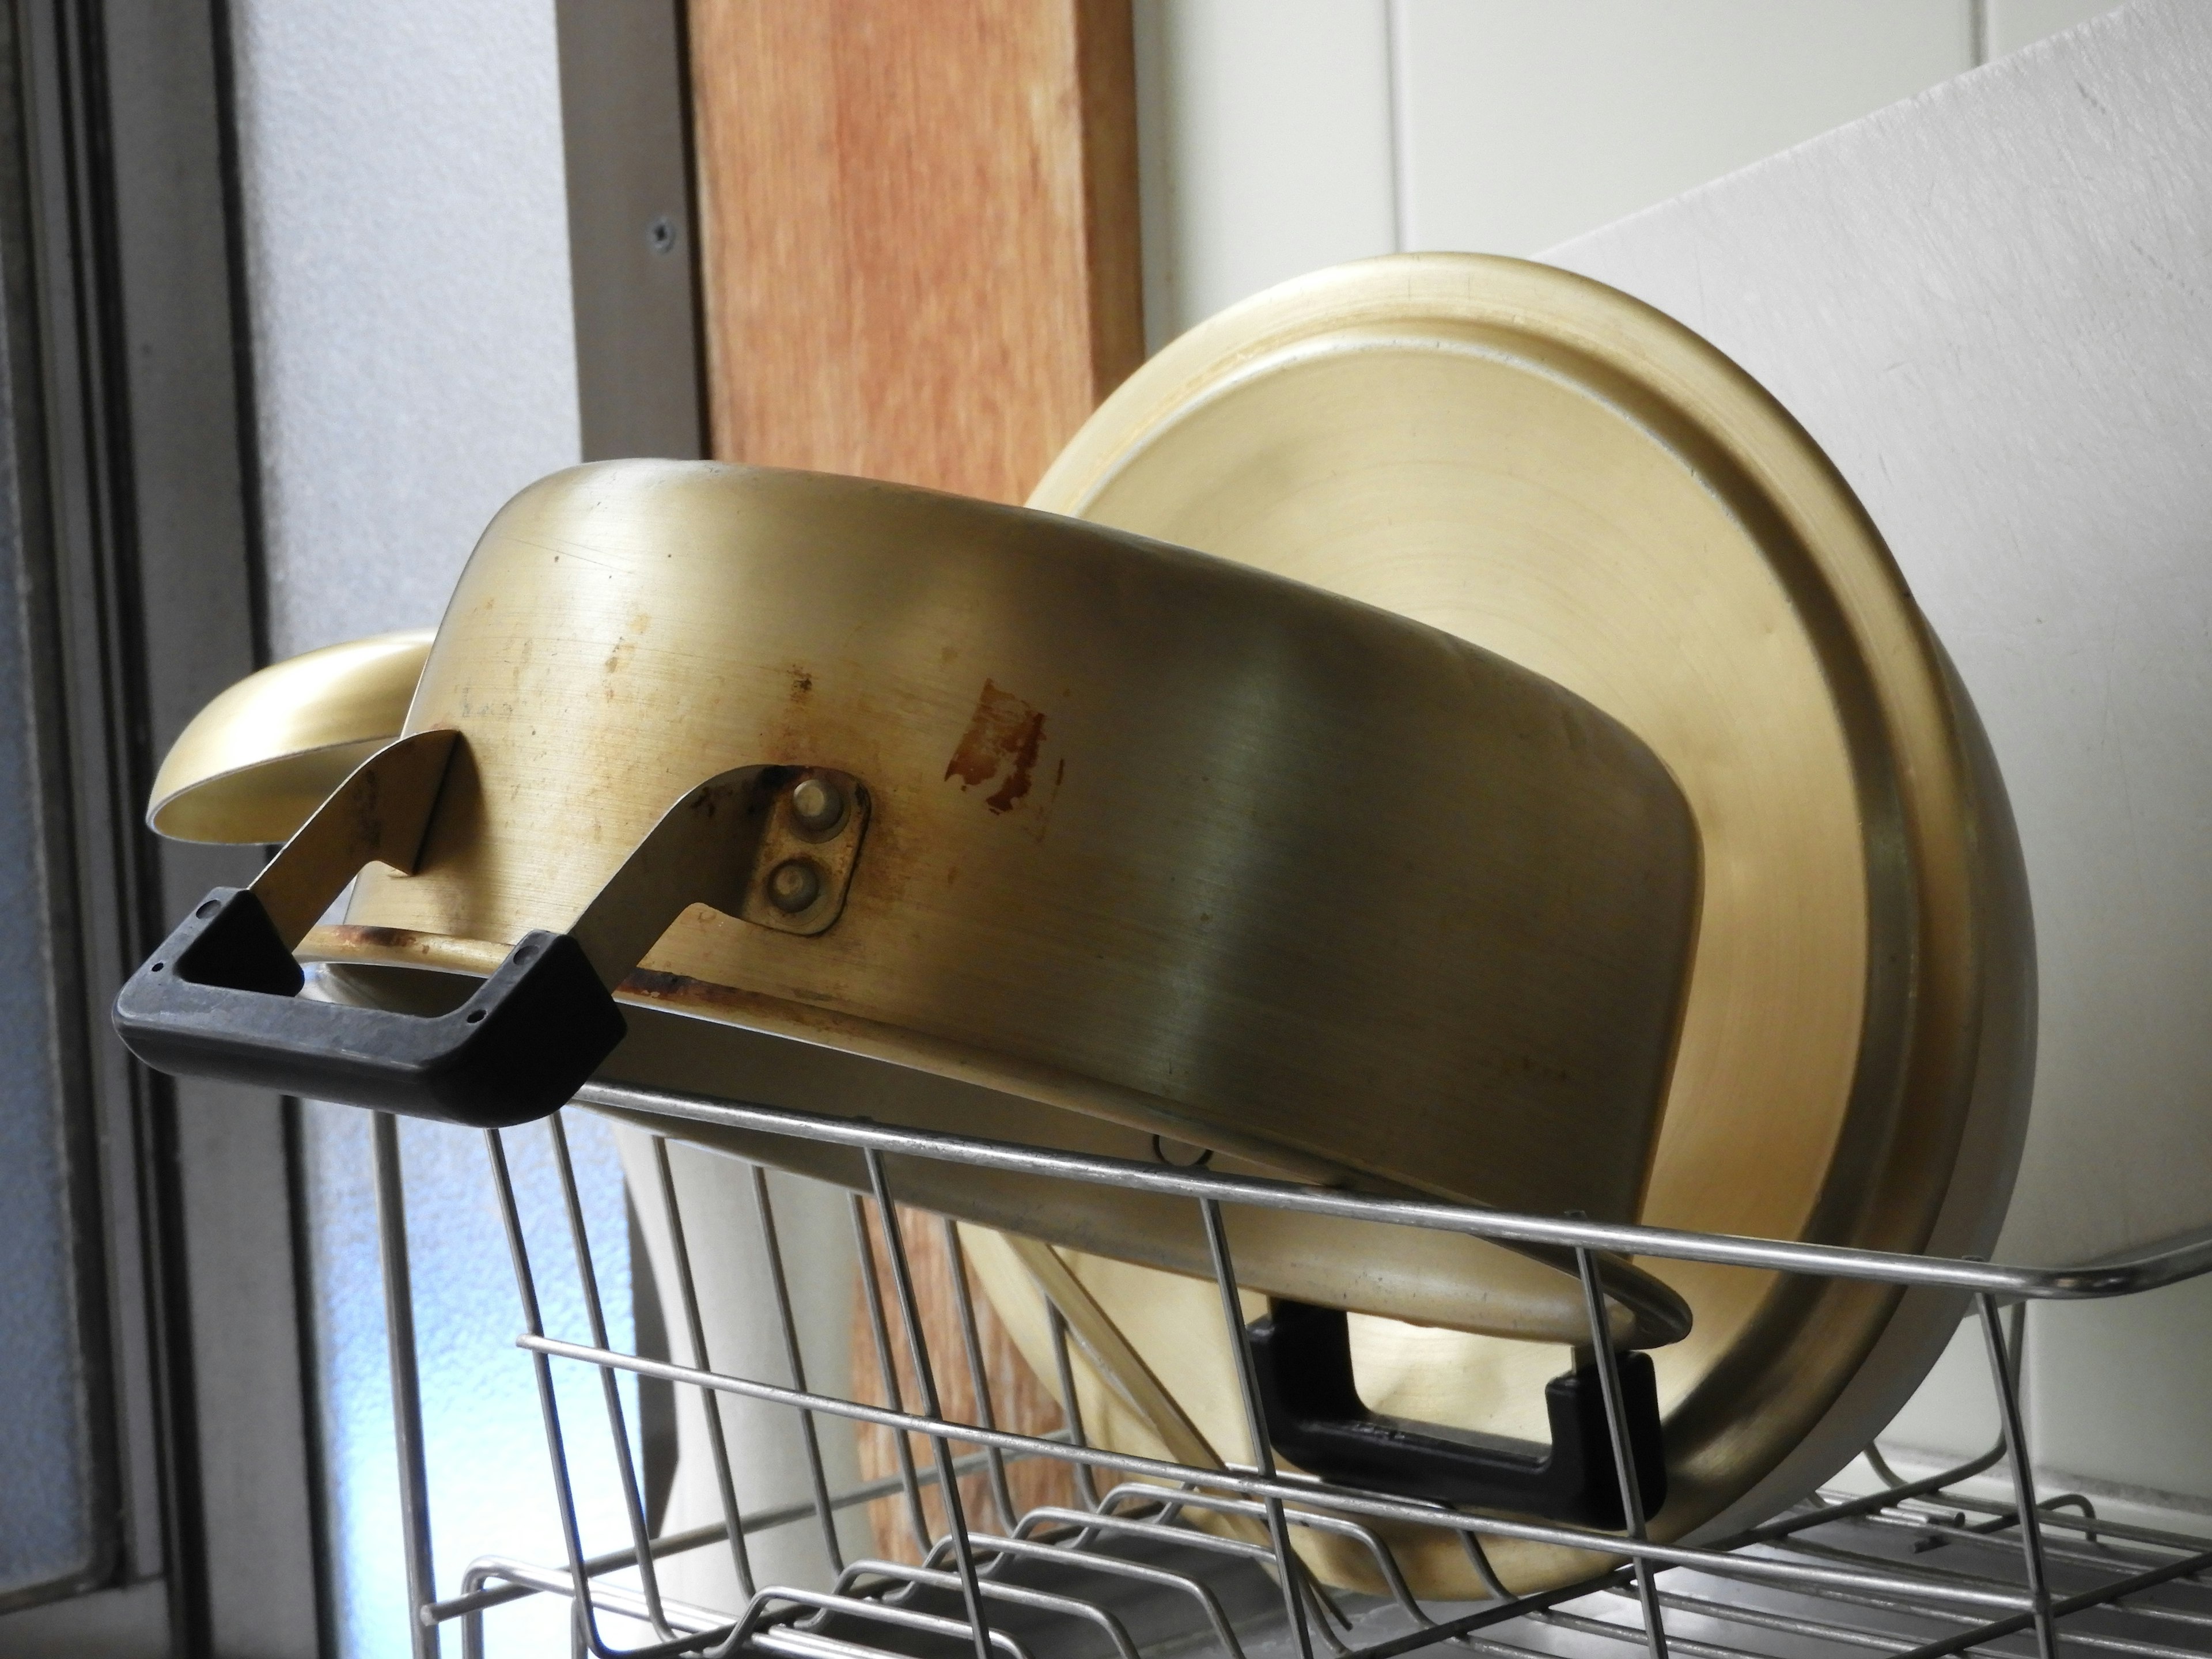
[490, 1485]
[407, 255]
[405, 230]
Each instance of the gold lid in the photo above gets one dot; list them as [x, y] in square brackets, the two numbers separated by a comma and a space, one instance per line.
[1555, 471]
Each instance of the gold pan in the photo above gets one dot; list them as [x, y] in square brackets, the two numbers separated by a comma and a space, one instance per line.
[1143, 847]
[1556, 472]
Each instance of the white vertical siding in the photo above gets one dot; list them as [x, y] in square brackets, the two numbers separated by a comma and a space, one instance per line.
[1525, 125]
[1282, 135]
[2012, 24]
[1266, 146]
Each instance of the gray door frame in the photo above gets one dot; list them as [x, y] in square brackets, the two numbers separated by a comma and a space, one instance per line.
[133, 449]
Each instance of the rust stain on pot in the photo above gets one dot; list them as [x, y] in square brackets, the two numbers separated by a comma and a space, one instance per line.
[1002, 742]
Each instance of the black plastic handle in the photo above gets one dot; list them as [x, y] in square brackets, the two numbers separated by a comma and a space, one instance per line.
[1317, 1419]
[221, 999]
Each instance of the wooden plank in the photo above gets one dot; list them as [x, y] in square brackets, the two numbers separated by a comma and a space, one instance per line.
[918, 231]
[1019, 1400]
[917, 234]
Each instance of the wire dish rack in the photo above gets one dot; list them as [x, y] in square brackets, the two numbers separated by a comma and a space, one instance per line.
[1917, 1567]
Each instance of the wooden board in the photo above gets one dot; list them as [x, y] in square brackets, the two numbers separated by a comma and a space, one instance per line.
[918, 225]
[919, 248]
[1011, 1395]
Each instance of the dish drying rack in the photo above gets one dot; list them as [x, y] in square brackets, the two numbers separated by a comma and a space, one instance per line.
[1917, 1567]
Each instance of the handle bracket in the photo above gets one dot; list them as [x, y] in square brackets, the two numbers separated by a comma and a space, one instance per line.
[1302, 1356]
[221, 996]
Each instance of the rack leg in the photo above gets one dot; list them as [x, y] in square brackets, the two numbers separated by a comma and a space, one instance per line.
[1255, 1421]
[695, 1328]
[772, 1244]
[971, 1339]
[948, 1478]
[1624, 1454]
[2023, 1478]
[610, 1392]
[1086, 1488]
[887, 1372]
[406, 1382]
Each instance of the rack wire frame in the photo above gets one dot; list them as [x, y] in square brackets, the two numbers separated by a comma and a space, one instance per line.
[1825, 1578]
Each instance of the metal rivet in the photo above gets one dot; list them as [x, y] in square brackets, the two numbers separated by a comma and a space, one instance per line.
[661, 234]
[794, 885]
[819, 804]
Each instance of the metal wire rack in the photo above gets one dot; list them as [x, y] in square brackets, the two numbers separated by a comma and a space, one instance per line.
[1919, 1567]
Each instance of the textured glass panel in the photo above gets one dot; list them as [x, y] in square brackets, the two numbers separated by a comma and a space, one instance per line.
[491, 1488]
[404, 218]
[46, 1455]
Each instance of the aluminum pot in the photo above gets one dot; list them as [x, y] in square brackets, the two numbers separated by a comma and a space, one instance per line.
[1096, 841]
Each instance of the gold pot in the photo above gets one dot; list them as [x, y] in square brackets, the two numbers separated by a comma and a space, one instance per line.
[1118, 845]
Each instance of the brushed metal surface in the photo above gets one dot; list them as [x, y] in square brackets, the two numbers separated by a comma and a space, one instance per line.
[1221, 852]
[686, 1042]
[1533, 462]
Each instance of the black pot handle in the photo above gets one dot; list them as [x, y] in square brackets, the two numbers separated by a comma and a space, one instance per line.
[1301, 1356]
[219, 999]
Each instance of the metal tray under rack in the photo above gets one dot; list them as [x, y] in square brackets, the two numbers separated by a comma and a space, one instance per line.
[1920, 1567]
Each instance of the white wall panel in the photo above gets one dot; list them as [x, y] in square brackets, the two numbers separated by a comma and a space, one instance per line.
[1982, 304]
[1281, 136]
[2012, 24]
[1522, 124]
[1266, 147]
[2116, 1390]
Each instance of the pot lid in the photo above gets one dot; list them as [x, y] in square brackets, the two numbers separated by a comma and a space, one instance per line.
[1560, 474]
